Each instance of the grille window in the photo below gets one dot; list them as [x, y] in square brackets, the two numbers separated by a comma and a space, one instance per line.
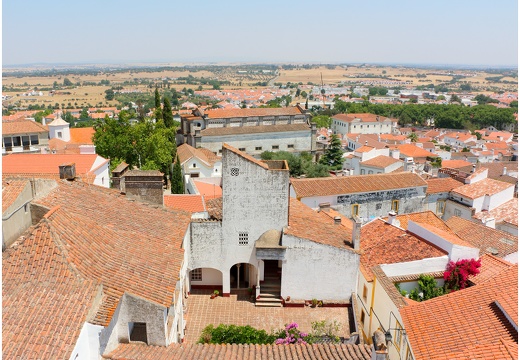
[196, 275]
[243, 238]
[234, 172]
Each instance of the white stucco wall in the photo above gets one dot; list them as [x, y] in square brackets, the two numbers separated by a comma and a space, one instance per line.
[509, 228]
[87, 345]
[455, 251]
[102, 174]
[416, 267]
[512, 258]
[209, 277]
[301, 141]
[502, 197]
[313, 270]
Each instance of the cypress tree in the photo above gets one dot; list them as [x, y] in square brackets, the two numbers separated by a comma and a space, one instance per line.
[333, 156]
[167, 113]
[158, 110]
[177, 186]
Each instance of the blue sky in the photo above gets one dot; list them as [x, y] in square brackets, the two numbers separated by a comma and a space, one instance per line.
[462, 32]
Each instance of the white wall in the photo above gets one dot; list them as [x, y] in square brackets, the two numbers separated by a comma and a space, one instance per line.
[502, 197]
[209, 277]
[313, 270]
[102, 174]
[416, 267]
[87, 345]
[455, 251]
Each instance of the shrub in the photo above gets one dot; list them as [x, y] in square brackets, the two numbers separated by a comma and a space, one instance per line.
[324, 329]
[233, 334]
[291, 335]
[457, 273]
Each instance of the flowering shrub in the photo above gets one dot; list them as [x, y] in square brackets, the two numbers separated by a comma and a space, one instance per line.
[457, 273]
[292, 335]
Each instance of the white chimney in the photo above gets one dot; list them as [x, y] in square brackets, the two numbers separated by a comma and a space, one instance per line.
[356, 232]
[474, 168]
[504, 171]
[392, 218]
[337, 220]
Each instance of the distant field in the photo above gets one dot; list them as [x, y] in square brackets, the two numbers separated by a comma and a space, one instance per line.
[95, 95]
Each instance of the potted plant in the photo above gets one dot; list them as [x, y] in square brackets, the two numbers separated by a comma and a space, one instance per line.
[215, 294]
[314, 302]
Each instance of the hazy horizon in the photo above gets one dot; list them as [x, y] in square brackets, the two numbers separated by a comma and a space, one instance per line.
[445, 33]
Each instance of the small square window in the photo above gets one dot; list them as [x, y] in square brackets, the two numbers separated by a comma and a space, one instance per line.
[243, 238]
[258, 148]
[196, 275]
[235, 171]
[242, 149]
[276, 147]
[457, 212]
[290, 146]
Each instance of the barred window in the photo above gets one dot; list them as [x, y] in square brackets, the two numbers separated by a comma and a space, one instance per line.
[234, 171]
[243, 238]
[196, 275]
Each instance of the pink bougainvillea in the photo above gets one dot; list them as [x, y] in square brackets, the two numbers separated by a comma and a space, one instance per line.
[457, 273]
[292, 335]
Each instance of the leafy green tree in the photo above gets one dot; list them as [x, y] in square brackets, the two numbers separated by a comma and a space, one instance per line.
[303, 94]
[67, 82]
[322, 121]
[413, 137]
[454, 98]
[298, 92]
[333, 156]
[177, 184]
[167, 113]
[158, 110]
[109, 94]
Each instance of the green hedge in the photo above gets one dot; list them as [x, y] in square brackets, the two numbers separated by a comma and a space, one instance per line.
[233, 334]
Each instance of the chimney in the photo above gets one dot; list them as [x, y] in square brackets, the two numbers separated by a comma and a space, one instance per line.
[474, 168]
[356, 232]
[366, 142]
[337, 220]
[392, 218]
[324, 206]
[379, 346]
[504, 171]
[68, 171]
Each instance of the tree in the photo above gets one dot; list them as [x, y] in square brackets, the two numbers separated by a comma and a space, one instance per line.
[413, 137]
[109, 94]
[158, 110]
[177, 184]
[333, 156]
[298, 92]
[167, 113]
[322, 121]
[303, 94]
[67, 82]
[454, 98]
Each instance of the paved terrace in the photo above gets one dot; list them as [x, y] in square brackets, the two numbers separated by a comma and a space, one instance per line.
[239, 310]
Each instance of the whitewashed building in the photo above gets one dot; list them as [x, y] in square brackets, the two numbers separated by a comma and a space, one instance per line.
[362, 124]
[257, 237]
[367, 196]
[250, 130]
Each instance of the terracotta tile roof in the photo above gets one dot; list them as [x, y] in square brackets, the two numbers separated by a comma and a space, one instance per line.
[364, 149]
[233, 113]
[440, 185]
[496, 168]
[22, 126]
[488, 240]
[507, 212]
[455, 164]
[411, 150]
[481, 188]
[187, 152]
[355, 184]
[305, 223]
[129, 246]
[245, 156]
[424, 217]
[187, 202]
[364, 117]
[380, 161]
[82, 136]
[214, 208]
[503, 350]
[45, 302]
[382, 243]
[18, 164]
[11, 189]
[239, 130]
[246, 351]
[388, 285]
[490, 267]
[453, 323]
[329, 215]
[209, 191]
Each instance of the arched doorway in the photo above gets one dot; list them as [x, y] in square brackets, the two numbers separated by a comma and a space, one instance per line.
[241, 276]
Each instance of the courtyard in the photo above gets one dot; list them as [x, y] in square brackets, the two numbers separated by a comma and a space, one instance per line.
[238, 309]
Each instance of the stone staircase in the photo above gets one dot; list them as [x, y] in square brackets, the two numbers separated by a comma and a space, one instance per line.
[270, 290]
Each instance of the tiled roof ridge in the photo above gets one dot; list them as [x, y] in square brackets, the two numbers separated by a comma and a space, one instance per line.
[245, 156]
